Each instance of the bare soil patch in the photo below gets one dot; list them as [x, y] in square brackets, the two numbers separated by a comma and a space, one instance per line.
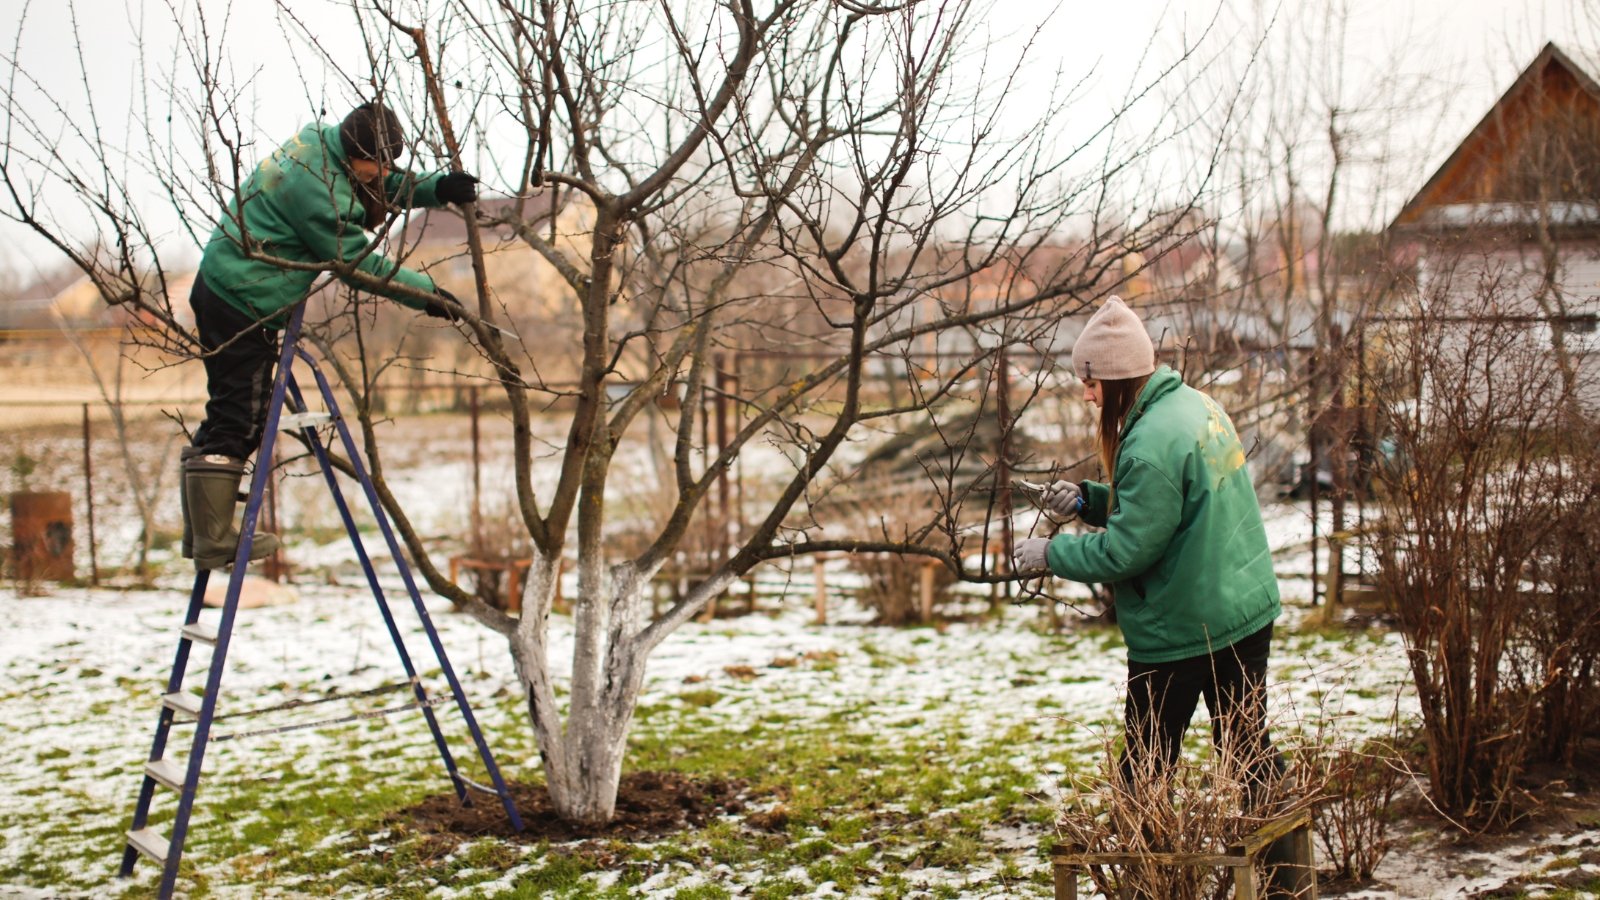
[649, 804]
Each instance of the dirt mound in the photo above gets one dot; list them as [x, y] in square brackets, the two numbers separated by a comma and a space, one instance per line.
[649, 804]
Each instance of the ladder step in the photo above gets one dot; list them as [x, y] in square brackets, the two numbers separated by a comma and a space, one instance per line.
[151, 843]
[166, 772]
[188, 704]
[200, 633]
[295, 421]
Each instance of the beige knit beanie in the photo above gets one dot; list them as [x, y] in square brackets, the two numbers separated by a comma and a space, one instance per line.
[1113, 345]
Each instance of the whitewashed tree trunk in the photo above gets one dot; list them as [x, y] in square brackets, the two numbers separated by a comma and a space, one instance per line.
[583, 756]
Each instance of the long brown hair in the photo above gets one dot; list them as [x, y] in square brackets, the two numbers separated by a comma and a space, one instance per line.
[1117, 397]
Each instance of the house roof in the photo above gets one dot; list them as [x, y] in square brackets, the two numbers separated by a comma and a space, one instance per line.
[1464, 187]
[52, 284]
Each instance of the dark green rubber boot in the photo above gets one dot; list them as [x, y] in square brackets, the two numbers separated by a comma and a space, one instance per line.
[184, 456]
[211, 485]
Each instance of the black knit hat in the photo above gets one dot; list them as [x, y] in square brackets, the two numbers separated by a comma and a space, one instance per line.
[372, 131]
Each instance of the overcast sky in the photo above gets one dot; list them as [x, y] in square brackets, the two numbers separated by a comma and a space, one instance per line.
[1477, 46]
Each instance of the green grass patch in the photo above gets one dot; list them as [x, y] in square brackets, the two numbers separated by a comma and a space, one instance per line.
[701, 698]
[865, 766]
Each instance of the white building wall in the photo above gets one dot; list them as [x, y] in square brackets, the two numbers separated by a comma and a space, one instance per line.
[1511, 276]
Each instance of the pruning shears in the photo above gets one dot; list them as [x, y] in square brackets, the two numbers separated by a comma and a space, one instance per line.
[1035, 493]
[1031, 490]
[505, 331]
[1033, 588]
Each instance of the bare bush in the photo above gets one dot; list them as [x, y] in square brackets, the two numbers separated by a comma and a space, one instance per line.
[1478, 499]
[894, 585]
[888, 508]
[1197, 806]
[1563, 628]
[1356, 785]
[500, 538]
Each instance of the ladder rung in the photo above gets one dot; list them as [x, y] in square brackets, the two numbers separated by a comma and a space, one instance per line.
[188, 704]
[295, 421]
[200, 633]
[166, 772]
[151, 843]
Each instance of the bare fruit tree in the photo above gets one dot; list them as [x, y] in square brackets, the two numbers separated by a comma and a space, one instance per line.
[852, 204]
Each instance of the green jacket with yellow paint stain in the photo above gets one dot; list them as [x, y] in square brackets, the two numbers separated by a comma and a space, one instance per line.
[300, 204]
[1183, 543]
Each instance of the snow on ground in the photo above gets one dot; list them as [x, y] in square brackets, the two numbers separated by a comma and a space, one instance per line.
[82, 668]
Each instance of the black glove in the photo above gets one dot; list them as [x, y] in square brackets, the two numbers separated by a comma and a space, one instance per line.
[457, 187]
[445, 306]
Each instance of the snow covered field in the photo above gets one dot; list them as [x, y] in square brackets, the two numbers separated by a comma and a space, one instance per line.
[82, 670]
[988, 702]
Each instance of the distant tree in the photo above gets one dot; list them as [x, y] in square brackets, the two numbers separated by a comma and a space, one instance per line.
[1326, 137]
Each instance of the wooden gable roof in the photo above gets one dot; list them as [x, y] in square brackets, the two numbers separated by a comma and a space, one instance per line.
[1509, 157]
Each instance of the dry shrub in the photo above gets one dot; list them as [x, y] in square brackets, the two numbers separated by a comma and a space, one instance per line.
[1196, 806]
[1356, 784]
[894, 585]
[501, 537]
[639, 524]
[886, 509]
[1563, 628]
[1487, 545]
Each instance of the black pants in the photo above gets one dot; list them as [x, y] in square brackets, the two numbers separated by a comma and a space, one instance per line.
[1162, 699]
[240, 356]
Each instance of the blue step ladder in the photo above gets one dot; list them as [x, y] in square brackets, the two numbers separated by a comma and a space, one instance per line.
[178, 705]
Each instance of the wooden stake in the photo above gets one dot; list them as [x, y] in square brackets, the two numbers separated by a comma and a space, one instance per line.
[821, 596]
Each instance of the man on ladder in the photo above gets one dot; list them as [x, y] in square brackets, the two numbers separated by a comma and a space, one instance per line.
[312, 202]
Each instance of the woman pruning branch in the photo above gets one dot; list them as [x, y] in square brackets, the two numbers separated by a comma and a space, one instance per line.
[1180, 538]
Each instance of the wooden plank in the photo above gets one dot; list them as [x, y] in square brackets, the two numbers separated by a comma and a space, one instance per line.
[927, 589]
[187, 704]
[1244, 882]
[1306, 859]
[1291, 865]
[1066, 879]
[1271, 831]
[151, 843]
[166, 772]
[1297, 873]
[1157, 859]
[820, 598]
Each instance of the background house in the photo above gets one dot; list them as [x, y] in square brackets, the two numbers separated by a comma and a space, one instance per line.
[1512, 217]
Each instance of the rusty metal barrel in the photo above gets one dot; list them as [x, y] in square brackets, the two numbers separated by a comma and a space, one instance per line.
[41, 535]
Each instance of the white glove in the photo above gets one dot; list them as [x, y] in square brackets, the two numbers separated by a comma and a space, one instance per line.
[1029, 554]
[1062, 501]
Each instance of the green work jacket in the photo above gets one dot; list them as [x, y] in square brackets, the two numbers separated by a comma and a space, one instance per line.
[1183, 544]
[300, 204]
